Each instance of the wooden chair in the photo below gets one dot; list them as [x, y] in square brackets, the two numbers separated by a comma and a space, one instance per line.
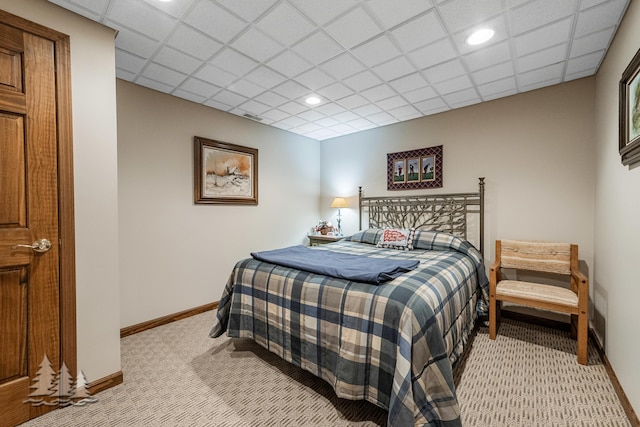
[545, 257]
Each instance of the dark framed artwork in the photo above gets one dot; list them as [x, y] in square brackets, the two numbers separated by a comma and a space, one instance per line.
[224, 173]
[414, 169]
[629, 128]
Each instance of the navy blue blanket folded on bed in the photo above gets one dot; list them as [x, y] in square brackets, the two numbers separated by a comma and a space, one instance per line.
[344, 266]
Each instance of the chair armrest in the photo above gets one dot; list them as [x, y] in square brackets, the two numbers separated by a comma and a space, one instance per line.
[494, 272]
[579, 277]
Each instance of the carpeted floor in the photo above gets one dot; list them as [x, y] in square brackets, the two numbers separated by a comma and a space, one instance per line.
[175, 375]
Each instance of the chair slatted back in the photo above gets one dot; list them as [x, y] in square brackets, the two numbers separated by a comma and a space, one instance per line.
[536, 256]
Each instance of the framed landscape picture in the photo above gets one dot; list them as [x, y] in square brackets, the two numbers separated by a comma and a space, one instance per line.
[629, 115]
[224, 173]
[415, 169]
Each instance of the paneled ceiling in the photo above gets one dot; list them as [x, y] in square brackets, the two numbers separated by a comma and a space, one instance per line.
[371, 62]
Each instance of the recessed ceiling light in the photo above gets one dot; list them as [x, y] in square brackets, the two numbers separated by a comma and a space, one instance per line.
[312, 100]
[480, 36]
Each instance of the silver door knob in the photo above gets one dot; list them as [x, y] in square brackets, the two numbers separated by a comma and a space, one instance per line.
[42, 245]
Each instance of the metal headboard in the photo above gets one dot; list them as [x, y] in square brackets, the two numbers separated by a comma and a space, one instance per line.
[441, 212]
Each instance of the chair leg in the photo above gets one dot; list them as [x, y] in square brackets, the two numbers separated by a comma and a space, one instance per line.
[574, 326]
[583, 337]
[493, 317]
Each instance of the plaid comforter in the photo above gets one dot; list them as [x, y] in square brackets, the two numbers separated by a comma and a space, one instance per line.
[392, 344]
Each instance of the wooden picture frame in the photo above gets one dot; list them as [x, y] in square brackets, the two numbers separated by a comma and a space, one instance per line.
[421, 168]
[224, 173]
[629, 125]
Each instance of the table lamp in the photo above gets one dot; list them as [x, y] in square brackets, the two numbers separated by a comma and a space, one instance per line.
[339, 202]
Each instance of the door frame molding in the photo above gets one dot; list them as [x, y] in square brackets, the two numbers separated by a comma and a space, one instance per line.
[66, 221]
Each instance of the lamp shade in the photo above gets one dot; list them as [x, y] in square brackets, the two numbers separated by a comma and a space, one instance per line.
[339, 202]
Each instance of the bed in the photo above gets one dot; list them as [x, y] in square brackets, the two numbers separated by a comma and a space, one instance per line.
[392, 342]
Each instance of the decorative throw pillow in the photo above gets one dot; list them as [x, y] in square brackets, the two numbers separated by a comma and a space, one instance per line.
[397, 238]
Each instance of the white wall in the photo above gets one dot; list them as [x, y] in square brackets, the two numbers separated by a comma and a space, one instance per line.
[175, 255]
[95, 169]
[535, 149]
[617, 226]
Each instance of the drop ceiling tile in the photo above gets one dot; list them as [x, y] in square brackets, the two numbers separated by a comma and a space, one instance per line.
[344, 28]
[390, 14]
[91, 9]
[229, 98]
[490, 74]
[177, 60]
[376, 51]
[541, 75]
[395, 68]
[215, 75]
[580, 74]
[286, 24]
[193, 42]
[246, 88]
[335, 91]
[539, 13]
[233, 62]
[309, 127]
[367, 110]
[463, 98]
[408, 83]
[265, 77]
[270, 98]
[129, 62]
[330, 108]
[254, 107]
[342, 129]
[405, 112]
[433, 54]
[445, 71]
[342, 66]
[497, 24]
[488, 56]
[139, 16]
[391, 103]
[247, 10]
[542, 59]
[292, 108]
[153, 84]
[586, 4]
[544, 37]
[282, 125]
[327, 122]
[379, 92]
[592, 42]
[421, 31]
[362, 81]
[217, 105]
[453, 85]
[431, 105]
[583, 63]
[291, 90]
[135, 43]
[274, 115]
[361, 124]
[497, 87]
[311, 115]
[345, 116]
[293, 121]
[189, 96]
[214, 21]
[314, 78]
[174, 8]
[459, 14]
[125, 75]
[257, 45]
[353, 101]
[317, 48]
[382, 118]
[199, 87]
[289, 64]
[600, 17]
[421, 94]
[323, 11]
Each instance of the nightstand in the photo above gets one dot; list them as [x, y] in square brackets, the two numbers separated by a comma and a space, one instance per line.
[319, 239]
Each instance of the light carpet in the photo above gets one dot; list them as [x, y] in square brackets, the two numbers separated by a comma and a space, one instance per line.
[175, 375]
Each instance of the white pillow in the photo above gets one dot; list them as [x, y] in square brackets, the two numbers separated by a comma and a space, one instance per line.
[397, 238]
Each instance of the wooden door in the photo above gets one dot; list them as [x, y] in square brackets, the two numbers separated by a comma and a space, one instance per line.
[30, 292]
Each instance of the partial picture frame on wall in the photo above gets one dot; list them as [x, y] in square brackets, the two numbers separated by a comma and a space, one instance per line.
[224, 173]
[415, 169]
[629, 114]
